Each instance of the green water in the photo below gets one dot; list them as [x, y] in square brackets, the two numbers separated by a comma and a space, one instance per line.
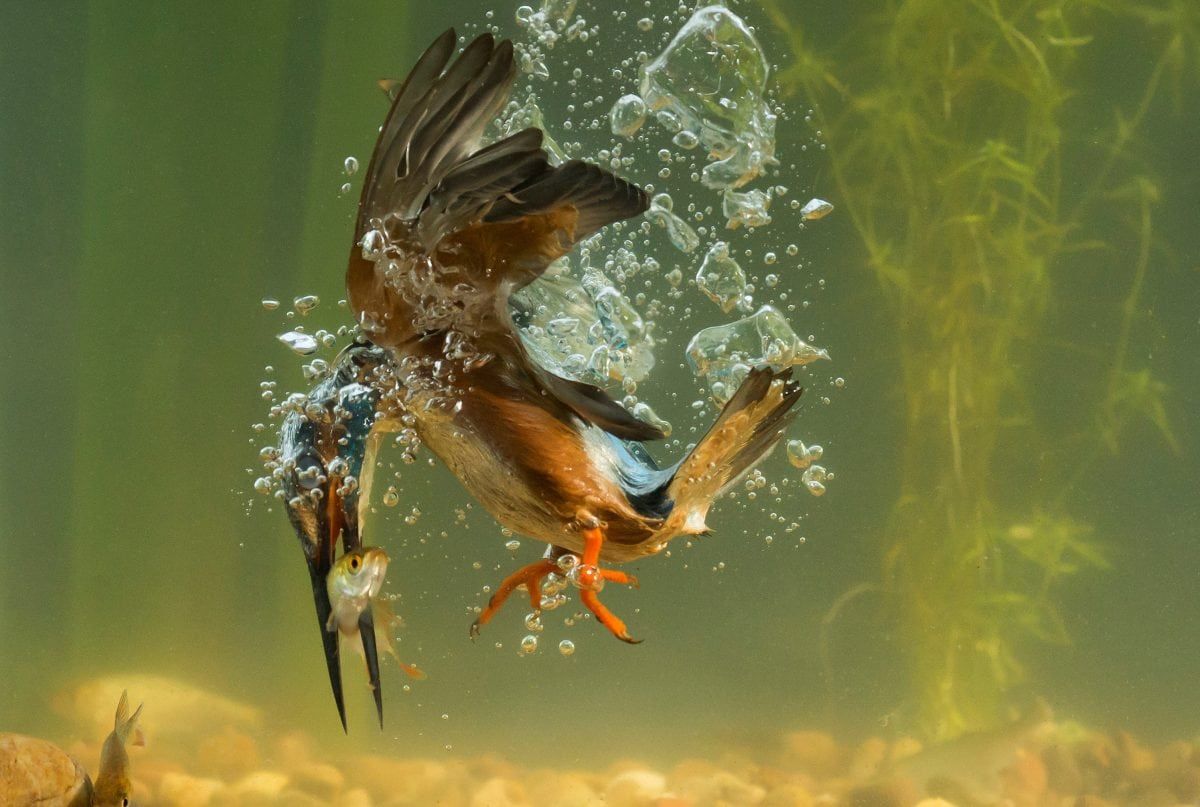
[164, 167]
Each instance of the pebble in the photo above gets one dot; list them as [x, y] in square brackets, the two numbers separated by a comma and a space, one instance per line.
[182, 790]
[498, 792]
[868, 758]
[319, 779]
[1059, 764]
[228, 755]
[634, 788]
[705, 783]
[813, 752]
[790, 795]
[354, 798]
[561, 789]
[298, 798]
[261, 788]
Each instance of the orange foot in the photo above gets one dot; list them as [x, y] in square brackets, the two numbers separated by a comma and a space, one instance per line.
[587, 576]
[529, 576]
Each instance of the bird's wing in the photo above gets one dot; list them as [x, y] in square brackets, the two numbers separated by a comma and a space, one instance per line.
[503, 206]
[500, 213]
[595, 406]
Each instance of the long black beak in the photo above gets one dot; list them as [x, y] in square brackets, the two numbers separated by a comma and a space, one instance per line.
[366, 630]
[329, 638]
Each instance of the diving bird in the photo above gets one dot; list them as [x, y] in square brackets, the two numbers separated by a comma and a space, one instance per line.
[446, 231]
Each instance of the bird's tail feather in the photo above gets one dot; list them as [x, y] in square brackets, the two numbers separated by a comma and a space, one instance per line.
[749, 426]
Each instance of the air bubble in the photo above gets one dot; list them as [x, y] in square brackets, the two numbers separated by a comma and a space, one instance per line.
[305, 304]
[802, 456]
[721, 278]
[627, 115]
[299, 342]
[814, 480]
[816, 209]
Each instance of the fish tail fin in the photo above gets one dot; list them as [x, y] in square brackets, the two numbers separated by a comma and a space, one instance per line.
[125, 724]
[386, 622]
[413, 671]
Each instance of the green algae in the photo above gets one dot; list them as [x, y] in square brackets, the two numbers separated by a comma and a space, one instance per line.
[947, 132]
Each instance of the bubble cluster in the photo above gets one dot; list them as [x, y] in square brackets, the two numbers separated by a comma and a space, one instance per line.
[814, 478]
[711, 80]
[722, 279]
[802, 456]
[725, 354]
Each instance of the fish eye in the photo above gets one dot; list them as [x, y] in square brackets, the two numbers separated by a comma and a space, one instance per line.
[125, 802]
[354, 563]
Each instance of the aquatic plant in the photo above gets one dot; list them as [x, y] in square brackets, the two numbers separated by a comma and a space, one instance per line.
[945, 125]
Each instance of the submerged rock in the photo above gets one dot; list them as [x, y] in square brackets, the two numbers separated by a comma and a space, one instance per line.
[182, 790]
[498, 792]
[34, 771]
[813, 752]
[635, 787]
[228, 754]
[354, 798]
[258, 788]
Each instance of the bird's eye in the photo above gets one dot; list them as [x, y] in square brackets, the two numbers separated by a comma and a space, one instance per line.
[125, 802]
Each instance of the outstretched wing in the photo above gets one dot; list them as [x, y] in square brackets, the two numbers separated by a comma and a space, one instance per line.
[500, 214]
[503, 203]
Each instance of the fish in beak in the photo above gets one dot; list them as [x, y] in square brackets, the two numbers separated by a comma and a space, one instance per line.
[360, 613]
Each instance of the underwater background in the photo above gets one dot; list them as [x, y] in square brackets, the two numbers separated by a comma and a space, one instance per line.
[1009, 288]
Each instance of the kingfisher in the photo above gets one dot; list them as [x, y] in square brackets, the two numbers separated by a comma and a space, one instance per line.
[447, 229]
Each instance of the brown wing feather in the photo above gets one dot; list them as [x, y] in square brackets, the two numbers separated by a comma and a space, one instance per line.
[501, 213]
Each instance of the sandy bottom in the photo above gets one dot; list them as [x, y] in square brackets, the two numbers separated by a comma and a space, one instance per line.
[1058, 763]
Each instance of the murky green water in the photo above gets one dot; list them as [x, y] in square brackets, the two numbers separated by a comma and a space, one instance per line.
[1008, 286]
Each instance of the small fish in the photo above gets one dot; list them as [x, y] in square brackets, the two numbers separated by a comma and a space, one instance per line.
[354, 585]
[113, 786]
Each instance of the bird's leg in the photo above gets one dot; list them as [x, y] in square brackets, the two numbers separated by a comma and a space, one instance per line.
[589, 578]
[529, 576]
